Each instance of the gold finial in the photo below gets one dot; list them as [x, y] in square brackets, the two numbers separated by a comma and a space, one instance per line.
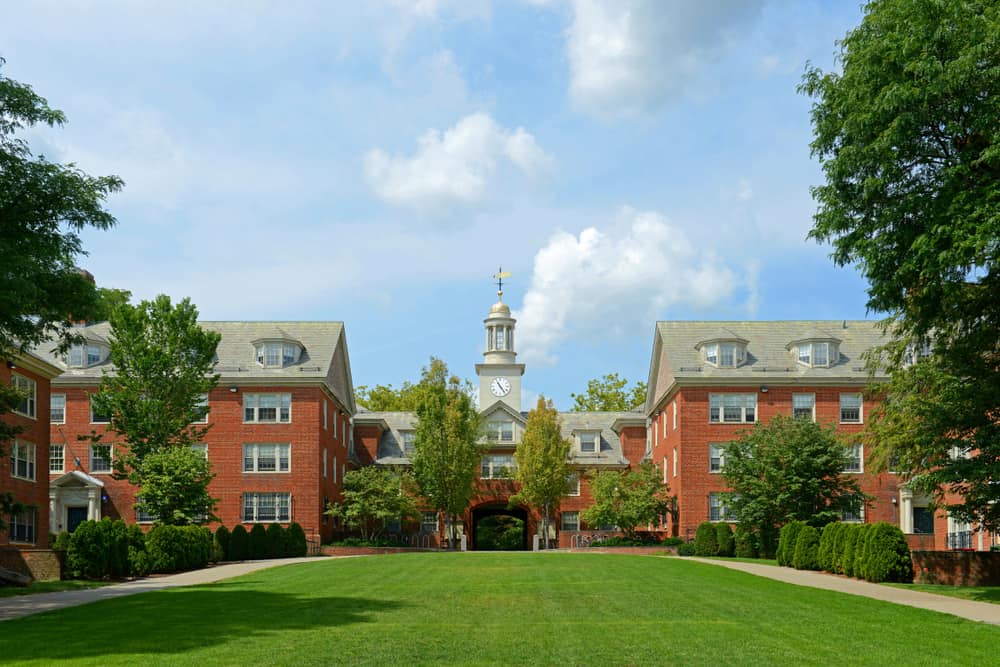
[499, 276]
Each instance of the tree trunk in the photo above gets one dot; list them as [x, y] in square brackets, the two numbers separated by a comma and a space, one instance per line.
[545, 527]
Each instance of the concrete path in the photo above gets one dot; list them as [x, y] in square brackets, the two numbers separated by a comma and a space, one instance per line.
[25, 605]
[974, 611]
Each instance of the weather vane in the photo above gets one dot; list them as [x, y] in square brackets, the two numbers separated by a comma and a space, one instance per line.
[499, 276]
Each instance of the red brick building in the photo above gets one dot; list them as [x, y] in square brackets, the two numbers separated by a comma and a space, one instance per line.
[280, 435]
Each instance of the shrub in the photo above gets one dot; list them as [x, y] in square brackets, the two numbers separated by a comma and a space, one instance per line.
[138, 561]
[274, 543]
[706, 542]
[724, 538]
[174, 548]
[258, 542]
[745, 542]
[61, 542]
[239, 544]
[861, 550]
[296, 541]
[806, 546]
[222, 538]
[786, 542]
[686, 549]
[824, 554]
[672, 542]
[850, 540]
[837, 548]
[99, 550]
[888, 555]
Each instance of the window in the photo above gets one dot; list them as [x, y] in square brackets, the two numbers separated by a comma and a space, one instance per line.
[22, 460]
[675, 414]
[57, 458]
[725, 355]
[429, 522]
[276, 354]
[853, 516]
[143, 515]
[266, 458]
[854, 459]
[666, 468]
[22, 527]
[958, 452]
[57, 409]
[409, 443]
[336, 418]
[571, 521]
[324, 465]
[267, 408]
[573, 484]
[202, 408]
[334, 469]
[732, 408]
[26, 387]
[588, 443]
[712, 354]
[717, 509]
[96, 416]
[201, 448]
[675, 462]
[82, 356]
[497, 466]
[100, 458]
[325, 409]
[850, 408]
[267, 507]
[501, 430]
[816, 355]
[804, 406]
[716, 457]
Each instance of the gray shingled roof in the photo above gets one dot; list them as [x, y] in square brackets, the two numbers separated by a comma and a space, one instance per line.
[324, 355]
[675, 357]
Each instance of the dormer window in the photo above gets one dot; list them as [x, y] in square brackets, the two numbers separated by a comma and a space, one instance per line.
[277, 354]
[817, 355]
[84, 356]
[589, 442]
[725, 354]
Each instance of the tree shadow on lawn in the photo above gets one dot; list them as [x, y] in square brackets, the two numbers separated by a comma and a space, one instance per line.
[178, 620]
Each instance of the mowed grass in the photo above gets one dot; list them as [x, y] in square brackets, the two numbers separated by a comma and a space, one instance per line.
[51, 587]
[989, 594]
[496, 608]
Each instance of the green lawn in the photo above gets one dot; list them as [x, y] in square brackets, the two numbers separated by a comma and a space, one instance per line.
[977, 593]
[50, 587]
[496, 608]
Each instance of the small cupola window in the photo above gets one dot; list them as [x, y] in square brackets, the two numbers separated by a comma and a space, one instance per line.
[277, 353]
[816, 351]
[725, 350]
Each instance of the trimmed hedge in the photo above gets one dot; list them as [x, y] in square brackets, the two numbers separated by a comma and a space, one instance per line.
[686, 549]
[745, 542]
[222, 538]
[258, 542]
[724, 538]
[296, 541]
[239, 544]
[274, 545]
[175, 548]
[887, 555]
[806, 546]
[706, 542]
[786, 542]
[825, 552]
[848, 547]
[98, 550]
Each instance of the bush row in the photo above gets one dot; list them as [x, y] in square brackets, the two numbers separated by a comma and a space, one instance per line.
[873, 551]
[645, 541]
[260, 542]
[714, 539]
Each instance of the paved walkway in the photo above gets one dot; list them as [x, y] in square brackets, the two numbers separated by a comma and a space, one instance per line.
[25, 605]
[975, 611]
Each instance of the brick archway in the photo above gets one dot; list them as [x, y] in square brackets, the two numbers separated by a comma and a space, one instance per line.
[500, 510]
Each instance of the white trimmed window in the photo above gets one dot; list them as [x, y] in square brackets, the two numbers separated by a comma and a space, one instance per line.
[849, 516]
[23, 527]
[855, 459]
[429, 522]
[29, 390]
[725, 355]
[571, 521]
[409, 442]
[675, 462]
[201, 448]
[83, 356]
[817, 355]
[142, 515]
[501, 430]
[675, 414]
[324, 463]
[267, 457]
[334, 469]
[804, 406]
[267, 507]
[57, 409]
[716, 457]
[57, 458]
[851, 409]
[573, 484]
[589, 442]
[326, 408]
[267, 408]
[202, 408]
[732, 408]
[96, 416]
[666, 468]
[277, 354]
[497, 466]
[717, 510]
[100, 458]
[22, 460]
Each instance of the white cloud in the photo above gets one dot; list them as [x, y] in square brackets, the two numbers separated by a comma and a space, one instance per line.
[453, 167]
[742, 191]
[616, 280]
[630, 57]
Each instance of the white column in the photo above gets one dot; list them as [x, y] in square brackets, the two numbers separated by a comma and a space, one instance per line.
[93, 508]
[906, 510]
[53, 512]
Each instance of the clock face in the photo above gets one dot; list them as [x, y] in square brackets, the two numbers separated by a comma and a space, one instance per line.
[500, 386]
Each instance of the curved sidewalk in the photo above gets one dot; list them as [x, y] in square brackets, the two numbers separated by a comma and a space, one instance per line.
[974, 611]
[25, 605]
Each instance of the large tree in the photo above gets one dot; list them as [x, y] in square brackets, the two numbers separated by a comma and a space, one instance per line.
[909, 141]
[787, 470]
[43, 208]
[374, 497]
[163, 369]
[610, 393]
[627, 499]
[543, 468]
[447, 452]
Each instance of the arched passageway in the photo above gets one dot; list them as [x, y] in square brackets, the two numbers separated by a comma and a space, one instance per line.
[497, 528]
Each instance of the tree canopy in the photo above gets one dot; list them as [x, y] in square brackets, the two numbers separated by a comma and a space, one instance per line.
[372, 498]
[909, 141]
[610, 393]
[543, 469]
[627, 499]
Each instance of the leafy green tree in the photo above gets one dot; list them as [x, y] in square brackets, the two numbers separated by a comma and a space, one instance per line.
[43, 208]
[164, 367]
[385, 398]
[787, 470]
[908, 139]
[373, 497]
[108, 299]
[543, 468]
[447, 451]
[627, 499]
[609, 394]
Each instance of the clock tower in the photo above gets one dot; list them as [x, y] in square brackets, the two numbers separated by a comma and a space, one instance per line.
[500, 374]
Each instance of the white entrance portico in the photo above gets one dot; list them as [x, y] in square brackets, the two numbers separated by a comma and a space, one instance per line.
[74, 497]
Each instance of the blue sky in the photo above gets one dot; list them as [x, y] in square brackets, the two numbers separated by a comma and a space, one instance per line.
[627, 161]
